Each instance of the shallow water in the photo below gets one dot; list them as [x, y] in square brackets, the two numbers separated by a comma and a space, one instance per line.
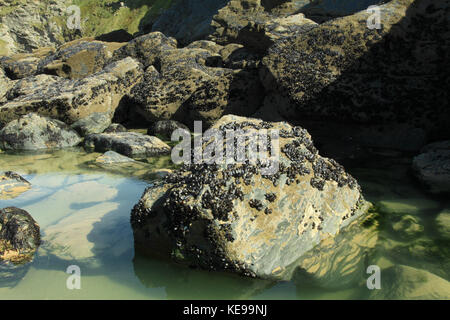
[84, 211]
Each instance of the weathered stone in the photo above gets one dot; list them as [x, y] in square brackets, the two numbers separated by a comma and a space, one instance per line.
[12, 185]
[79, 59]
[165, 128]
[71, 100]
[19, 235]
[432, 167]
[240, 219]
[23, 65]
[115, 128]
[33, 132]
[147, 49]
[131, 144]
[112, 157]
[94, 123]
[403, 282]
[188, 89]
[343, 71]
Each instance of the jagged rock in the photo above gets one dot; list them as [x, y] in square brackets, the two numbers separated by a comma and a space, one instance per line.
[94, 123]
[432, 167]
[241, 219]
[79, 59]
[188, 88]
[344, 71]
[407, 283]
[147, 49]
[33, 132]
[24, 65]
[12, 185]
[115, 128]
[443, 224]
[131, 144]
[165, 128]
[19, 235]
[71, 100]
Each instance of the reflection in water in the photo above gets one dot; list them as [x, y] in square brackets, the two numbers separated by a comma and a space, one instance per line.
[84, 212]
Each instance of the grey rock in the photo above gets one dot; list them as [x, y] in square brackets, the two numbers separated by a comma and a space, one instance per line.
[130, 144]
[236, 218]
[94, 123]
[33, 132]
[115, 128]
[112, 157]
[432, 168]
[165, 128]
[19, 235]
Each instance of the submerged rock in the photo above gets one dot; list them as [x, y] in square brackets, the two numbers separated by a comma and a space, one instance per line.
[112, 157]
[407, 283]
[71, 100]
[443, 224]
[432, 167]
[165, 128]
[131, 144]
[12, 185]
[33, 132]
[94, 123]
[19, 235]
[241, 219]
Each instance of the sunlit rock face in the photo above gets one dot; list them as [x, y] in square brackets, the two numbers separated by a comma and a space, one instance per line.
[241, 219]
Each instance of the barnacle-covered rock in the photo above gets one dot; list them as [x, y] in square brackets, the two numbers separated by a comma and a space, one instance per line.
[71, 100]
[33, 132]
[243, 218]
[350, 69]
[19, 235]
[12, 185]
[24, 65]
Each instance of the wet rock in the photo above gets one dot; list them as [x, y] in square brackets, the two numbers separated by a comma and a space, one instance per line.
[407, 283]
[112, 157]
[344, 71]
[79, 59]
[188, 88]
[406, 226]
[432, 167]
[19, 235]
[147, 49]
[115, 128]
[165, 128]
[130, 144]
[443, 224]
[33, 132]
[71, 100]
[94, 123]
[12, 185]
[214, 215]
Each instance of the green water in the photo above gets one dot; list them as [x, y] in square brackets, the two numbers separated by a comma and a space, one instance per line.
[84, 211]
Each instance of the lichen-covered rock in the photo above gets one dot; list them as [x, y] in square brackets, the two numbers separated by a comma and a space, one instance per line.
[344, 71]
[24, 65]
[407, 283]
[147, 49]
[19, 235]
[12, 185]
[189, 87]
[165, 128]
[432, 167]
[130, 144]
[71, 100]
[79, 59]
[239, 218]
[94, 123]
[33, 132]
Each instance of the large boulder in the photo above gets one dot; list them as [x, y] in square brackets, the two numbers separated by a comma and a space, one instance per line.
[19, 235]
[345, 71]
[238, 217]
[12, 185]
[24, 65]
[432, 167]
[190, 86]
[130, 144]
[33, 132]
[94, 123]
[71, 100]
[407, 283]
[165, 128]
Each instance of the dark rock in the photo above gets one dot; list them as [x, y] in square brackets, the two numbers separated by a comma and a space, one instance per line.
[115, 128]
[19, 235]
[165, 128]
[115, 36]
